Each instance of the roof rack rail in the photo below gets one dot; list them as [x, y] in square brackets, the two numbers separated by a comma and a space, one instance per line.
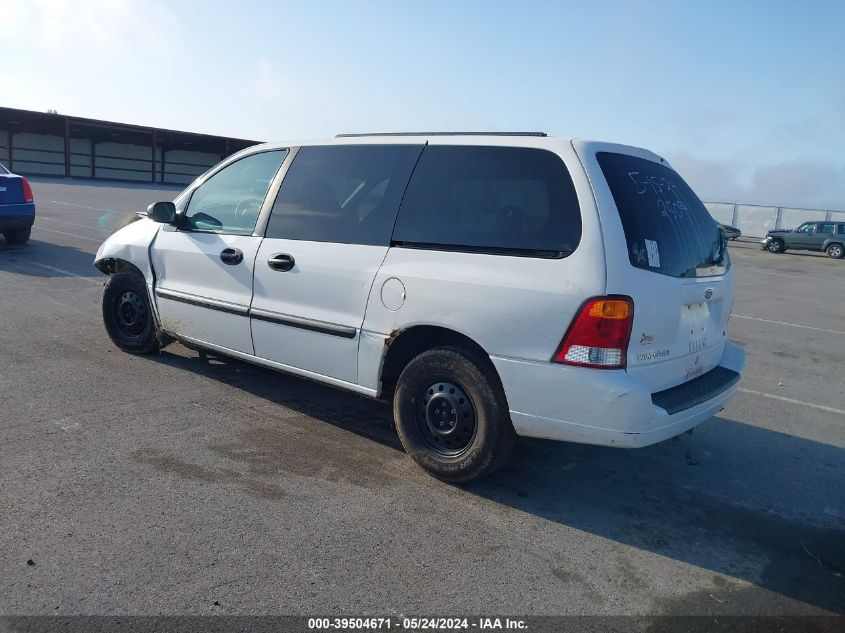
[443, 134]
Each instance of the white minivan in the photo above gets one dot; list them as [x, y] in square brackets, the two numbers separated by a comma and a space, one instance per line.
[490, 285]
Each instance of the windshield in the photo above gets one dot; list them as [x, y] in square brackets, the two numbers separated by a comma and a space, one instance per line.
[667, 228]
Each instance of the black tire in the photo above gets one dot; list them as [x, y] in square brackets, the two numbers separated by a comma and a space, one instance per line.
[836, 251]
[19, 236]
[776, 246]
[127, 314]
[468, 388]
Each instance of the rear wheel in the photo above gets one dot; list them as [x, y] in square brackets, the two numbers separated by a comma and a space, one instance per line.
[836, 251]
[127, 314]
[20, 236]
[451, 414]
[775, 246]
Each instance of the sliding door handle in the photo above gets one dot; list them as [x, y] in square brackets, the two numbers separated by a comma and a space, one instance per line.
[231, 256]
[281, 262]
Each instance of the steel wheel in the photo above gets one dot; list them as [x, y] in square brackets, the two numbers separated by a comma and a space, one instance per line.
[446, 418]
[128, 315]
[131, 313]
[452, 415]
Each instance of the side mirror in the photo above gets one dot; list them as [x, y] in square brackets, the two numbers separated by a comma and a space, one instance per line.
[163, 212]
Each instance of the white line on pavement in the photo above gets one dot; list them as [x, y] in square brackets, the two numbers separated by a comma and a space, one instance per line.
[64, 272]
[84, 206]
[82, 237]
[805, 327]
[777, 273]
[81, 226]
[772, 396]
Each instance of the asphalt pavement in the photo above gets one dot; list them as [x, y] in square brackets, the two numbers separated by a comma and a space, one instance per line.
[179, 484]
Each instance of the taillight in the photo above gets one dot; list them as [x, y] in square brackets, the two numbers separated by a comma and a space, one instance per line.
[599, 335]
[27, 190]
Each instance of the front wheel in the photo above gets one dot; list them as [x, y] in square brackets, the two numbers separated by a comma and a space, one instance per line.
[775, 246]
[127, 314]
[20, 236]
[836, 251]
[451, 414]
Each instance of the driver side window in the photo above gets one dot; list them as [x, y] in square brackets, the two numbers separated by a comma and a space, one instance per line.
[229, 201]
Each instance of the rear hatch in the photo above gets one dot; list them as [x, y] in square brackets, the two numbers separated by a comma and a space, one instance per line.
[11, 189]
[668, 254]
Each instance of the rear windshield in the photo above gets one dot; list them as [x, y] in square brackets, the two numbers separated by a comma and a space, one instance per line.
[3, 170]
[667, 228]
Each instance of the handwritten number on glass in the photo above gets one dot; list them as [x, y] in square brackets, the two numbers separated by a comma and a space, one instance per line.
[669, 200]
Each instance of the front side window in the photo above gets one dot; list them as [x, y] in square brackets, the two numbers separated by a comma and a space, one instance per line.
[807, 227]
[667, 228]
[229, 201]
[504, 200]
[826, 228]
[347, 194]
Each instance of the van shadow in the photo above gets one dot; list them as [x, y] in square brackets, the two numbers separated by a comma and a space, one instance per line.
[44, 259]
[740, 500]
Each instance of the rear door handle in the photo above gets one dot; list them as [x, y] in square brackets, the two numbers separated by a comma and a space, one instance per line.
[281, 262]
[231, 256]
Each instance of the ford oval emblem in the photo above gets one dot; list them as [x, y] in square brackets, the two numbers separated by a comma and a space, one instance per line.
[708, 294]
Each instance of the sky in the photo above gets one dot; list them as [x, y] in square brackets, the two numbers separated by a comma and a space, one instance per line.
[746, 99]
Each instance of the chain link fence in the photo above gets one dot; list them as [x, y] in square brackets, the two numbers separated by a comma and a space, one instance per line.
[756, 220]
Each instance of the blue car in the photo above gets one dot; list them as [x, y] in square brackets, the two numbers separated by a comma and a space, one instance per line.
[17, 207]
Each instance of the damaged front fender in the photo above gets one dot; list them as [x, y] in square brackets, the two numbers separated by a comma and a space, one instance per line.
[129, 245]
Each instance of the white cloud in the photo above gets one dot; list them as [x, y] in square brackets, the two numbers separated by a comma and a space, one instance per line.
[802, 182]
[797, 162]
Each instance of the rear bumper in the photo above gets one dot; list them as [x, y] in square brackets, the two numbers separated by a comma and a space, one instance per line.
[608, 408]
[16, 216]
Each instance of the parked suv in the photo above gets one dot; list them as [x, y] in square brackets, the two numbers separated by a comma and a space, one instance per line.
[488, 285]
[828, 237]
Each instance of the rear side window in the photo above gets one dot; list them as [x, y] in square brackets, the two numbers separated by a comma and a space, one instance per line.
[840, 229]
[826, 228]
[508, 200]
[347, 194]
[667, 228]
